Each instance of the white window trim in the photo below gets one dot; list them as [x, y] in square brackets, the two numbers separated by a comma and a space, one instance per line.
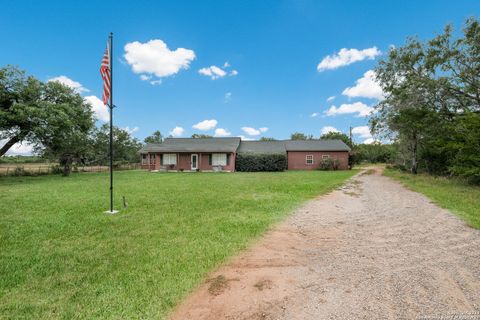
[309, 157]
[219, 159]
[171, 157]
[325, 156]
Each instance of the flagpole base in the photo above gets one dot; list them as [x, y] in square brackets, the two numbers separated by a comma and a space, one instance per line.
[112, 212]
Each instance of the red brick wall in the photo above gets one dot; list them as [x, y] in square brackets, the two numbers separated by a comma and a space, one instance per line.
[297, 159]
[184, 162]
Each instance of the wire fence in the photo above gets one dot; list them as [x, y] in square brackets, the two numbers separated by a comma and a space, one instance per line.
[33, 169]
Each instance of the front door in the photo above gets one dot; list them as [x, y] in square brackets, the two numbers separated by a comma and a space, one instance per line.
[194, 161]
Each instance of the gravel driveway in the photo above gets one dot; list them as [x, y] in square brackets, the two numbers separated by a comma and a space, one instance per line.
[371, 250]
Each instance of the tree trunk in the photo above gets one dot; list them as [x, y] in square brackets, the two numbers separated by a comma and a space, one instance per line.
[9, 144]
[414, 157]
[67, 166]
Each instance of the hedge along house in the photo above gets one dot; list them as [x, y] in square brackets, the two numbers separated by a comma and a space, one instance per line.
[219, 154]
[189, 154]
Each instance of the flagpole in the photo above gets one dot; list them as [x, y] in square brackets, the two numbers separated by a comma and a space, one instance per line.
[111, 122]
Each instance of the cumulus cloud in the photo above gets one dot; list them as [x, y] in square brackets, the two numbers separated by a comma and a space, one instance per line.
[314, 115]
[215, 72]
[205, 125]
[362, 131]
[331, 98]
[100, 111]
[156, 82]
[145, 77]
[177, 132]
[328, 129]
[263, 129]
[360, 108]
[220, 132]
[365, 87]
[155, 58]
[251, 131]
[77, 86]
[345, 57]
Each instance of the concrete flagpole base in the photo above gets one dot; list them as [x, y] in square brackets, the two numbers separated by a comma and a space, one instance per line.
[112, 212]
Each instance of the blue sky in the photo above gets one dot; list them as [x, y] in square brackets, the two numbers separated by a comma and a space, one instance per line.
[273, 50]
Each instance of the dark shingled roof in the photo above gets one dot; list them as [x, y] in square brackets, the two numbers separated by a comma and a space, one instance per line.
[316, 145]
[235, 145]
[193, 145]
[262, 147]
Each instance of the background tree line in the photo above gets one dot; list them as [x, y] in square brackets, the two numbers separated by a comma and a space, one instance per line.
[58, 122]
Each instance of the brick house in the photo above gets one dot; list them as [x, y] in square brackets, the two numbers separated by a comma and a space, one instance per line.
[219, 154]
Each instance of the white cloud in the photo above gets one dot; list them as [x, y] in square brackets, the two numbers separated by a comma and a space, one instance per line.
[361, 109]
[251, 131]
[132, 130]
[100, 111]
[21, 148]
[365, 87]
[370, 141]
[220, 132]
[213, 72]
[362, 131]
[77, 86]
[145, 77]
[154, 57]
[328, 129]
[254, 132]
[177, 132]
[345, 57]
[205, 125]
[313, 115]
[331, 98]
[228, 97]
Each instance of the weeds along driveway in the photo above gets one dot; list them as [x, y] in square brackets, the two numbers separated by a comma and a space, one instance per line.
[370, 250]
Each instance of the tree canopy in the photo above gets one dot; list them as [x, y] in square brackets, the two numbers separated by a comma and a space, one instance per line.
[155, 137]
[432, 102]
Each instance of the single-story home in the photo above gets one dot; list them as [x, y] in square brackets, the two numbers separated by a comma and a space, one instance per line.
[219, 154]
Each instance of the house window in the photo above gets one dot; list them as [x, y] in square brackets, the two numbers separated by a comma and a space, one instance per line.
[152, 159]
[169, 159]
[325, 157]
[219, 159]
[144, 159]
[309, 159]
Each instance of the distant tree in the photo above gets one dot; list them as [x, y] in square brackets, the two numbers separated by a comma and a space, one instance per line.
[337, 135]
[125, 147]
[66, 135]
[155, 137]
[200, 135]
[300, 136]
[267, 139]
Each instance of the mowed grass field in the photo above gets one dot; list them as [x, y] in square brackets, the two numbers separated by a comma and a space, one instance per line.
[456, 195]
[62, 257]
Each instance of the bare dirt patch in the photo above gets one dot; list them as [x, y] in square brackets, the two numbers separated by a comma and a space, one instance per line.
[383, 253]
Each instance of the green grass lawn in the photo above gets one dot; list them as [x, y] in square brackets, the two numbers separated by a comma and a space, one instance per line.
[459, 197]
[62, 257]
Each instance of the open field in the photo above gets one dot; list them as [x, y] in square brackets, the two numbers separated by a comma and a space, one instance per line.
[62, 257]
[9, 169]
[461, 198]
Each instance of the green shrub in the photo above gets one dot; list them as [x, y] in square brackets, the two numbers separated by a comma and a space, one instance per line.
[252, 162]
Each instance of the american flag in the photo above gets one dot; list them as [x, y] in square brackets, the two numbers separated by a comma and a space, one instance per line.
[105, 72]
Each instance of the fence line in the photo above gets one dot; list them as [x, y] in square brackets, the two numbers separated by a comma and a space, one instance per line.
[33, 170]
